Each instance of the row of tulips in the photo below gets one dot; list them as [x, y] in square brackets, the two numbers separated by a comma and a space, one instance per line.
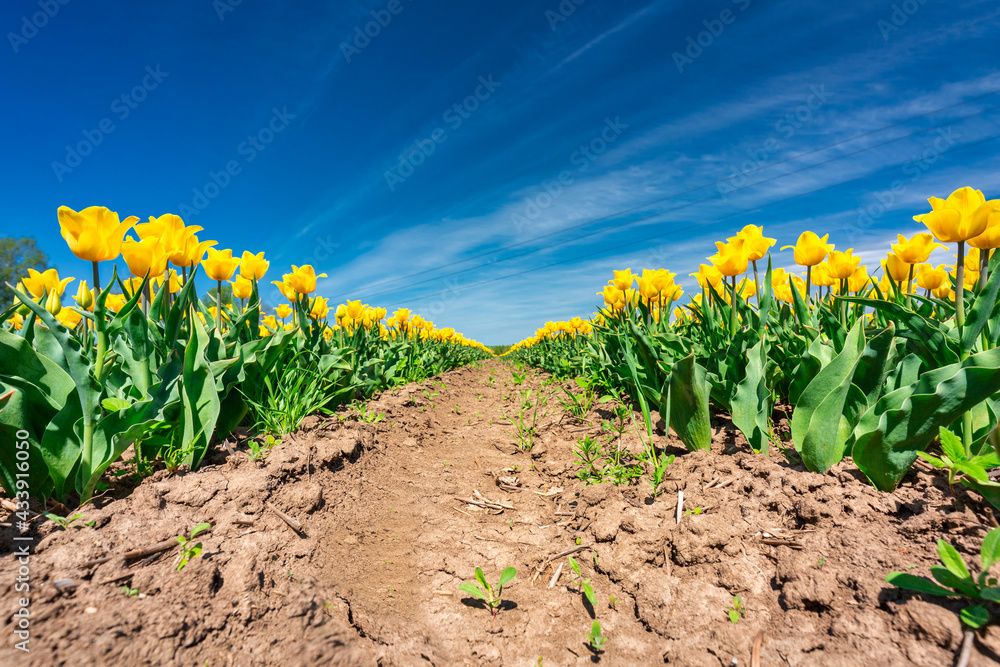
[146, 364]
[868, 368]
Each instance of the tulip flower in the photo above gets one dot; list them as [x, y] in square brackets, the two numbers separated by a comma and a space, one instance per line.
[731, 259]
[822, 276]
[623, 279]
[17, 321]
[253, 267]
[931, 278]
[915, 250]
[69, 318]
[189, 253]
[283, 311]
[756, 245]
[842, 265]
[754, 242]
[707, 275]
[171, 279]
[319, 308]
[242, 287]
[858, 280]
[94, 234]
[115, 302]
[145, 257]
[220, 264]
[964, 215]
[40, 284]
[303, 279]
[810, 249]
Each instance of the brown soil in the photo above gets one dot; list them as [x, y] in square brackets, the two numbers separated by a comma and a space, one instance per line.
[374, 579]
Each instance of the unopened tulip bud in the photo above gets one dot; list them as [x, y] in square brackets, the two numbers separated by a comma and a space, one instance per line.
[52, 303]
[84, 297]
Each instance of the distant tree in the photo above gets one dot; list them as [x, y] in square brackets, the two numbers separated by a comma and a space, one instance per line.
[227, 295]
[17, 255]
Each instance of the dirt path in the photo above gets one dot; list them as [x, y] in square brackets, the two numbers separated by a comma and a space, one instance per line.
[374, 579]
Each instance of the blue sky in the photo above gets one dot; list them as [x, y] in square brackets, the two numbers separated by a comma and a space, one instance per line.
[488, 164]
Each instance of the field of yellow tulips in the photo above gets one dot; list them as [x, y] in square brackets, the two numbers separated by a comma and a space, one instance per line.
[144, 362]
[881, 365]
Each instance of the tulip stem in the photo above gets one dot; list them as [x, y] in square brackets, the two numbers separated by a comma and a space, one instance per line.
[960, 288]
[909, 286]
[732, 312]
[984, 268]
[97, 278]
[218, 306]
[960, 320]
[809, 285]
[756, 283]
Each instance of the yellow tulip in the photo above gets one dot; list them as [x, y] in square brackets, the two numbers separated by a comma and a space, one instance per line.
[283, 311]
[822, 275]
[614, 298]
[319, 308]
[242, 287]
[917, 249]
[94, 234]
[944, 292]
[842, 265]
[172, 280]
[115, 302]
[754, 242]
[931, 278]
[40, 284]
[17, 321]
[69, 318]
[962, 216]
[858, 280]
[731, 259]
[623, 279]
[147, 256]
[895, 267]
[990, 237]
[220, 264]
[303, 279]
[971, 260]
[190, 251]
[810, 249]
[707, 275]
[253, 266]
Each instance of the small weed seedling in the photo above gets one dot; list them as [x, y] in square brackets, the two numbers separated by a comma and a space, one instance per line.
[971, 472]
[518, 379]
[260, 450]
[489, 594]
[595, 638]
[612, 602]
[188, 550]
[130, 592]
[583, 584]
[369, 416]
[736, 612]
[956, 580]
[62, 522]
[696, 511]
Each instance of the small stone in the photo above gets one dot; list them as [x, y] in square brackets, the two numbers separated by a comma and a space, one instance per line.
[65, 586]
[90, 610]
